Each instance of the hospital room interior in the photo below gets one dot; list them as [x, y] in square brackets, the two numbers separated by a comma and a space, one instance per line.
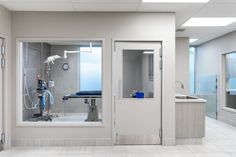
[57, 86]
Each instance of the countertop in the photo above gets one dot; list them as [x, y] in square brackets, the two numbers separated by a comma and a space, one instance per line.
[184, 100]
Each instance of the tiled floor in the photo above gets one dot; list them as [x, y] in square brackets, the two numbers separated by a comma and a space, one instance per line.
[220, 141]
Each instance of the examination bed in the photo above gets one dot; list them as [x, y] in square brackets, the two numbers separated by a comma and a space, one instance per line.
[84, 94]
[90, 99]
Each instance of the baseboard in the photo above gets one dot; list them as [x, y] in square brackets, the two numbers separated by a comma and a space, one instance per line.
[228, 121]
[192, 141]
[61, 142]
[168, 141]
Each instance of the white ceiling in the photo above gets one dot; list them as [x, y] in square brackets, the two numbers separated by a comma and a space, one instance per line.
[184, 11]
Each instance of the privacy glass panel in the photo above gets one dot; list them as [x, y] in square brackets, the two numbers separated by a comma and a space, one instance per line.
[138, 73]
[208, 91]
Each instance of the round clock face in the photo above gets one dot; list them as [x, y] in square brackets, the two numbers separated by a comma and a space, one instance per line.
[65, 66]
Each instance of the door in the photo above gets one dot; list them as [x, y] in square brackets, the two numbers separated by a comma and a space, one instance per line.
[137, 92]
[2, 55]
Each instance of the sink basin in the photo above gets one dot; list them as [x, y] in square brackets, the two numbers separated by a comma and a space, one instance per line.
[185, 97]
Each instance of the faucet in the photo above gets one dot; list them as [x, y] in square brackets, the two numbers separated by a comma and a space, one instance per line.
[181, 83]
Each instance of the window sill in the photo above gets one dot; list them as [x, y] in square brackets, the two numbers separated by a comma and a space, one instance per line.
[60, 124]
[229, 109]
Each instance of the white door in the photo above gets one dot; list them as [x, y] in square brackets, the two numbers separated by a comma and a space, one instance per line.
[2, 55]
[137, 92]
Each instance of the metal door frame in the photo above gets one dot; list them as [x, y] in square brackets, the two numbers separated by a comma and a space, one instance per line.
[2, 66]
[113, 121]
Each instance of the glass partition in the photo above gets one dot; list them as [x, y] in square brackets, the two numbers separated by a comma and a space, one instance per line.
[207, 89]
[61, 81]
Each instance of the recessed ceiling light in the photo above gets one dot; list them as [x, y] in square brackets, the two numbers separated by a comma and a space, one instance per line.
[148, 52]
[192, 40]
[209, 22]
[175, 1]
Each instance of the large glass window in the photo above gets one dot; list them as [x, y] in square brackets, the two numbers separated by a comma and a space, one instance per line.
[61, 81]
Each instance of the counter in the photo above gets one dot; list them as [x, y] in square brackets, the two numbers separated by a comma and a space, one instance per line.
[190, 119]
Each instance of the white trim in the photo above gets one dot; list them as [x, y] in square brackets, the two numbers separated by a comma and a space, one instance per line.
[61, 142]
[228, 109]
[223, 83]
[60, 124]
[19, 75]
[113, 41]
[7, 108]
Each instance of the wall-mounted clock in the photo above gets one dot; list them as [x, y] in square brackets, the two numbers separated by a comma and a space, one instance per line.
[65, 67]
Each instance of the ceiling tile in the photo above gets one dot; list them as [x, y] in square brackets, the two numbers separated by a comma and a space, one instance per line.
[218, 10]
[39, 6]
[104, 7]
[222, 1]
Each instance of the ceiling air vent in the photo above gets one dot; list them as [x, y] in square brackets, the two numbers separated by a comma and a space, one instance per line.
[180, 30]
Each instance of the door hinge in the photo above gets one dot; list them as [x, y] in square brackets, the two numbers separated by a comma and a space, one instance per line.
[160, 133]
[3, 139]
[3, 62]
[3, 50]
[117, 138]
[161, 62]
[114, 47]
[161, 52]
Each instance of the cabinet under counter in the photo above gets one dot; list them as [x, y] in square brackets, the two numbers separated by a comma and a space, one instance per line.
[190, 120]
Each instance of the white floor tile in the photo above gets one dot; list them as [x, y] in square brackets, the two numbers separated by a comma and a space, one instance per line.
[212, 155]
[220, 141]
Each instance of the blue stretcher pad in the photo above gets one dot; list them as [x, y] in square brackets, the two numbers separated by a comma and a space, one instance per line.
[84, 94]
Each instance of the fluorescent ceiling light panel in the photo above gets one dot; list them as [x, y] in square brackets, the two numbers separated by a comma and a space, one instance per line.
[175, 1]
[209, 22]
[192, 40]
[148, 52]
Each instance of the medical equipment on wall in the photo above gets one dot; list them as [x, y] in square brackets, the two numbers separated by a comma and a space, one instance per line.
[39, 98]
[43, 94]
[52, 58]
[33, 105]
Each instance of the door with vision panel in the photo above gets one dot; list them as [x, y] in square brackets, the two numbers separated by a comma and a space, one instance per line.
[137, 92]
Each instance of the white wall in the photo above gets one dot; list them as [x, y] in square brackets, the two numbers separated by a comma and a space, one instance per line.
[161, 26]
[209, 63]
[5, 31]
[182, 64]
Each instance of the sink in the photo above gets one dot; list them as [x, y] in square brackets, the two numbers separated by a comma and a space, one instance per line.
[184, 97]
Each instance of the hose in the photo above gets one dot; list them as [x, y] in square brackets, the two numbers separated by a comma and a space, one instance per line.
[26, 89]
[51, 98]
